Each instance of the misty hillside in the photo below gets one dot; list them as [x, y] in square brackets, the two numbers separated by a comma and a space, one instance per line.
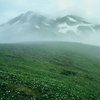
[49, 71]
[37, 27]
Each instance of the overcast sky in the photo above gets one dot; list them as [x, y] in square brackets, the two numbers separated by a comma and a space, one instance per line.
[89, 9]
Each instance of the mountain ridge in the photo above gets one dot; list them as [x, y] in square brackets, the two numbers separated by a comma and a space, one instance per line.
[34, 26]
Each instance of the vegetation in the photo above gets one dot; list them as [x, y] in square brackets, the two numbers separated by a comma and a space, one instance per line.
[49, 71]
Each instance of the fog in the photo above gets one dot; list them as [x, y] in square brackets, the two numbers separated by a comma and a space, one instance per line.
[39, 28]
[27, 31]
[92, 39]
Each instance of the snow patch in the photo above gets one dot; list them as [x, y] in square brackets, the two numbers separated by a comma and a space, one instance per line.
[46, 24]
[92, 29]
[62, 25]
[64, 28]
[71, 19]
[16, 22]
[37, 27]
[89, 25]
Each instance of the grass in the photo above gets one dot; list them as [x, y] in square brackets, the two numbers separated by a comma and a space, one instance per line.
[49, 71]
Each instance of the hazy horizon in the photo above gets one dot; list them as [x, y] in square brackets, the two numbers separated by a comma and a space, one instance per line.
[86, 9]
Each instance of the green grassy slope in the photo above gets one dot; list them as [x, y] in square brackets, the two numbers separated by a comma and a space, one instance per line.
[49, 71]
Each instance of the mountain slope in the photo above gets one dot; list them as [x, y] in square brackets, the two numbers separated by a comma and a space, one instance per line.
[49, 71]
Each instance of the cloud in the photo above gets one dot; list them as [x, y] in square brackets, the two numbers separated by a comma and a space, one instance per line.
[84, 8]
